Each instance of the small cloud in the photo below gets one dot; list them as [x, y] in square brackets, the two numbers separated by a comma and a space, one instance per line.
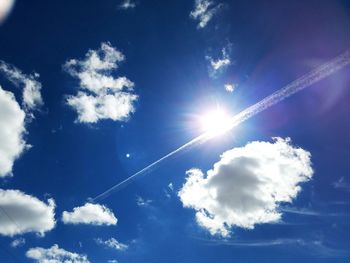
[31, 86]
[91, 214]
[218, 65]
[100, 95]
[112, 243]
[112, 261]
[5, 9]
[22, 213]
[203, 12]
[142, 202]
[341, 184]
[171, 186]
[55, 254]
[247, 185]
[18, 242]
[127, 4]
[229, 87]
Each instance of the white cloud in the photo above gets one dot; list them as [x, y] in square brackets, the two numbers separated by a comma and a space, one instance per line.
[12, 130]
[219, 65]
[247, 185]
[55, 255]
[93, 214]
[204, 10]
[127, 4]
[229, 87]
[112, 243]
[100, 95]
[31, 86]
[18, 242]
[112, 261]
[22, 213]
[142, 202]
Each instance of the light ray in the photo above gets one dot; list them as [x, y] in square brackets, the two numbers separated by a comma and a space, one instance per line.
[297, 85]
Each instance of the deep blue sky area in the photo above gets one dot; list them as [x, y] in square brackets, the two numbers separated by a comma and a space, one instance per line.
[167, 57]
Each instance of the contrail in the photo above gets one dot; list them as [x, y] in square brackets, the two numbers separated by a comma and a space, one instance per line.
[297, 85]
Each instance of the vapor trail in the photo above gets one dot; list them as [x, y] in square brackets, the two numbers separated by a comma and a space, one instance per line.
[297, 85]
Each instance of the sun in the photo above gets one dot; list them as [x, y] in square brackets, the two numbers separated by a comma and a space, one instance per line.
[215, 122]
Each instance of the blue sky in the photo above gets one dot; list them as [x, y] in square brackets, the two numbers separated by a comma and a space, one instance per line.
[91, 92]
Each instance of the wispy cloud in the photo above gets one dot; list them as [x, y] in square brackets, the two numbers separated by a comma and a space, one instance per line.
[112, 243]
[218, 65]
[143, 202]
[55, 254]
[341, 184]
[92, 214]
[203, 12]
[31, 86]
[18, 242]
[100, 95]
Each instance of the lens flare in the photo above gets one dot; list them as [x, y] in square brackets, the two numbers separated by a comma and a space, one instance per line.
[215, 122]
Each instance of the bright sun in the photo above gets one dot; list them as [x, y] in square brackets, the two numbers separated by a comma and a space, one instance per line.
[215, 122]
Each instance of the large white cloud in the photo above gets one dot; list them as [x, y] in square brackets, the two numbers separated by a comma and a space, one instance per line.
[12, 129]
[204, 10]
[55, 254]
[22, 213]
[247, 185]
[31, 86]
[93, 214]
[100, 95]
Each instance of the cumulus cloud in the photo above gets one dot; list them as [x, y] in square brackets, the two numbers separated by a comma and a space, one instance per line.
[220, 64]
[12, 123]
[127, 4]
[100, 95]
[22, 213]
[247, 185]
[112, 243]
[93, 214]
[55, 254]
[203, 12]
[31, 86]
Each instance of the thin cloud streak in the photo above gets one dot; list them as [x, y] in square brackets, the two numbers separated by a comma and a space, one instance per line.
[297, 85]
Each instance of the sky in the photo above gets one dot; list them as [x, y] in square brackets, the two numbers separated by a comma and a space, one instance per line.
[92, 92]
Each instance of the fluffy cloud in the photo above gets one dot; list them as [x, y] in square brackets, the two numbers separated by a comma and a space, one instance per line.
[247, 185]
[93, 214]
[127, 4]
[112, 243]
[204, 10]
[55, 255]
[229, 87]
[12, 129]
[22, 213]
[100, 95]
[31, 86]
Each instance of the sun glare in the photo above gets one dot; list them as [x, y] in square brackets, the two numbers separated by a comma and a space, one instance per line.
[215, 122]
